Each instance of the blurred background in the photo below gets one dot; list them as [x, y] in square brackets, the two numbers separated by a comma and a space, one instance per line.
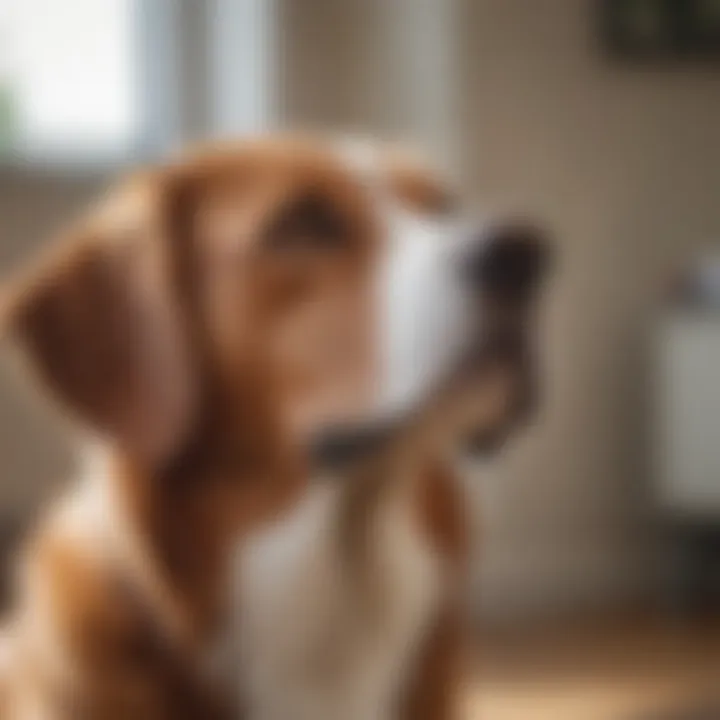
[598, 563]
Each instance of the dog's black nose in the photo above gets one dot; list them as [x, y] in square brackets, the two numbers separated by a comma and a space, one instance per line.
[508, 260]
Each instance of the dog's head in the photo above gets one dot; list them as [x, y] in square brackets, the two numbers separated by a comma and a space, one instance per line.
[289, 285]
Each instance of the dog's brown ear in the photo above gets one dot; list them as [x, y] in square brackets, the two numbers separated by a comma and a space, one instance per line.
[101, 323]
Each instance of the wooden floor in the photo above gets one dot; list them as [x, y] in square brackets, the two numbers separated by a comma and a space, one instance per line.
[629, 670]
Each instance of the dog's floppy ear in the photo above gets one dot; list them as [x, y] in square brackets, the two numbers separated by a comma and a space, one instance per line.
[102, 325]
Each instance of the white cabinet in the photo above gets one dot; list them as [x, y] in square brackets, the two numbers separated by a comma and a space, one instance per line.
[687, 439]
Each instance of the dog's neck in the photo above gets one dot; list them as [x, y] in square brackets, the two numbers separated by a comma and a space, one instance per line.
[186, 520]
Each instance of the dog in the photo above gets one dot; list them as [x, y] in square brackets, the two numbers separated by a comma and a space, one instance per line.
[207, 327]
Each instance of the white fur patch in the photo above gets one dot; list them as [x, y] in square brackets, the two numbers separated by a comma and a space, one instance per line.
[320, 641]
[424, 307]
[423, 302]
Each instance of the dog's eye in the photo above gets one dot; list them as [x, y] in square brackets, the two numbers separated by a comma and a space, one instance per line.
[312, 222]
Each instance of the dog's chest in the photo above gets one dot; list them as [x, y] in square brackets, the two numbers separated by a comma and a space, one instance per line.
[325, 637]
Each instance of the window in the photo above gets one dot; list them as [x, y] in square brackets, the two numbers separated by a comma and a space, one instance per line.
[68, 79]
[113, 80]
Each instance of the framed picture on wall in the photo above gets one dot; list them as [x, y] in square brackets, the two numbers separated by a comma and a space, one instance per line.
[661, 29]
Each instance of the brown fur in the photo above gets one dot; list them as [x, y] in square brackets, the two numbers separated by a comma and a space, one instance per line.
[419, 187]
[434, 689]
